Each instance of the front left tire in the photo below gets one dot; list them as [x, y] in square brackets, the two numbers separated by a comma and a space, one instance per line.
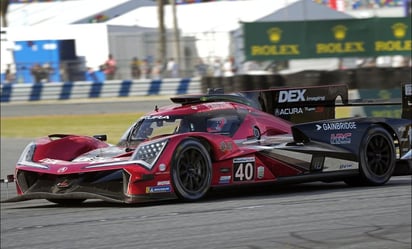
[191, 170]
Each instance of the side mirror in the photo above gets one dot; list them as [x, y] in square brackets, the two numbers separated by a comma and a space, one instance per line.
[101, 137]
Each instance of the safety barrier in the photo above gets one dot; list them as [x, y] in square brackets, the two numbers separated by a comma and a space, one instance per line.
[86, 89]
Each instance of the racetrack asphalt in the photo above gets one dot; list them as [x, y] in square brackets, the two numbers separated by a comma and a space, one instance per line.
[305, 216]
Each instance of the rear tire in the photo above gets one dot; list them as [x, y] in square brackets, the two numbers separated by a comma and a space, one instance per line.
[191, 171]
[376, 158]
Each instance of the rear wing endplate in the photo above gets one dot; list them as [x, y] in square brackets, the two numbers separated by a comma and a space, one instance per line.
[407, 101]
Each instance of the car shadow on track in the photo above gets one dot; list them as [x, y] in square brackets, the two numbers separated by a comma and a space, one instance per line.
[235, 193]
[303, 189]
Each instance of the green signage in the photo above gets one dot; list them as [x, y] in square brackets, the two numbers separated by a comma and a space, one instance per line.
[280, 41]
[392, 36]
[332, 38]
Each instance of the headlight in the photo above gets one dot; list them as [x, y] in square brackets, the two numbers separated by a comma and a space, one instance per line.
[26, 157]
[27, 154]
[148, 153]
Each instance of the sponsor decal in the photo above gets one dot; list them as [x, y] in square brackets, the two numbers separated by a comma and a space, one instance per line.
[215, 105]
[320, 109]
[93, 159]
[225, 146]
[62, 169]
[162, 167]
[224, 179]
[297, 95]
[244, 159]
[288, 111]
[345, 166]
[160, 117]
[317, 163]
[64, 184]
[49, 161]
[162, 183]
[244, 169]
[290, 96]
[336, 126]
[340, 138]
[224, 170]
[260, 172]
[158, 189]
[335, 164]
[316, 98]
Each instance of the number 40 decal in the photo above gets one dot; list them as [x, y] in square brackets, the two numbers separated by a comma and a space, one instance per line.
[244, 169]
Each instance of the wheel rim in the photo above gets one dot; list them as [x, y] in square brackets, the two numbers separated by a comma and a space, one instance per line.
[379, 155]
[192, 171]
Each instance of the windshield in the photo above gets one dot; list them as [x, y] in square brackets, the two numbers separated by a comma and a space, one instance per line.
[148, 127]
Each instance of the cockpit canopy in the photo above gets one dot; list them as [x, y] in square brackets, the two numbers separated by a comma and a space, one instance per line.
[223, 122]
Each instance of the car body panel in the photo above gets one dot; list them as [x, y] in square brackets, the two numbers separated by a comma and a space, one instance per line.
[245, 142]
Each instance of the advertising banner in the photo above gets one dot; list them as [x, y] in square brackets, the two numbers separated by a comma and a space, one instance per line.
[329, 38]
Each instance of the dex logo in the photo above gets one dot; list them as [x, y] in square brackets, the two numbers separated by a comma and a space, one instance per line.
[291, 96]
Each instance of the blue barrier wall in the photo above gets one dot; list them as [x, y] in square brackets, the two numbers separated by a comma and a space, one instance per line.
[86, 89]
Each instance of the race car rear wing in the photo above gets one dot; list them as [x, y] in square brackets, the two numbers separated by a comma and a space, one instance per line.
[300, 104]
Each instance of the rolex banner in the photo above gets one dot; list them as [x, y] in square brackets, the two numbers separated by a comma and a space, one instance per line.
[329, 38]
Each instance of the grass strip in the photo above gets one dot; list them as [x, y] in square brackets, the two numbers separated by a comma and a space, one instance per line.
[113, 125]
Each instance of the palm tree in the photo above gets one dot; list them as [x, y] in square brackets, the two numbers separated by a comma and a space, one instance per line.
[3, 11]
[162, 32]
[176, 33]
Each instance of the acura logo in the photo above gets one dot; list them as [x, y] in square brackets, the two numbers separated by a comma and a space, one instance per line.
[62, 169]
[63, 184]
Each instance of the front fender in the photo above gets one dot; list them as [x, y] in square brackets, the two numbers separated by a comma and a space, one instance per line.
[65, 148]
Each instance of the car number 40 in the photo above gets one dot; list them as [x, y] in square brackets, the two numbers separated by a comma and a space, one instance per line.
[244, 171]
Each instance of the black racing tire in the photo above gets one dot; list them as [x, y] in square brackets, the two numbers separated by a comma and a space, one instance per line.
[67, 202]
[376, 158]
[191, 170]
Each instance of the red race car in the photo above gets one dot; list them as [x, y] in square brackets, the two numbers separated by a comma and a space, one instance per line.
[216, 139]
